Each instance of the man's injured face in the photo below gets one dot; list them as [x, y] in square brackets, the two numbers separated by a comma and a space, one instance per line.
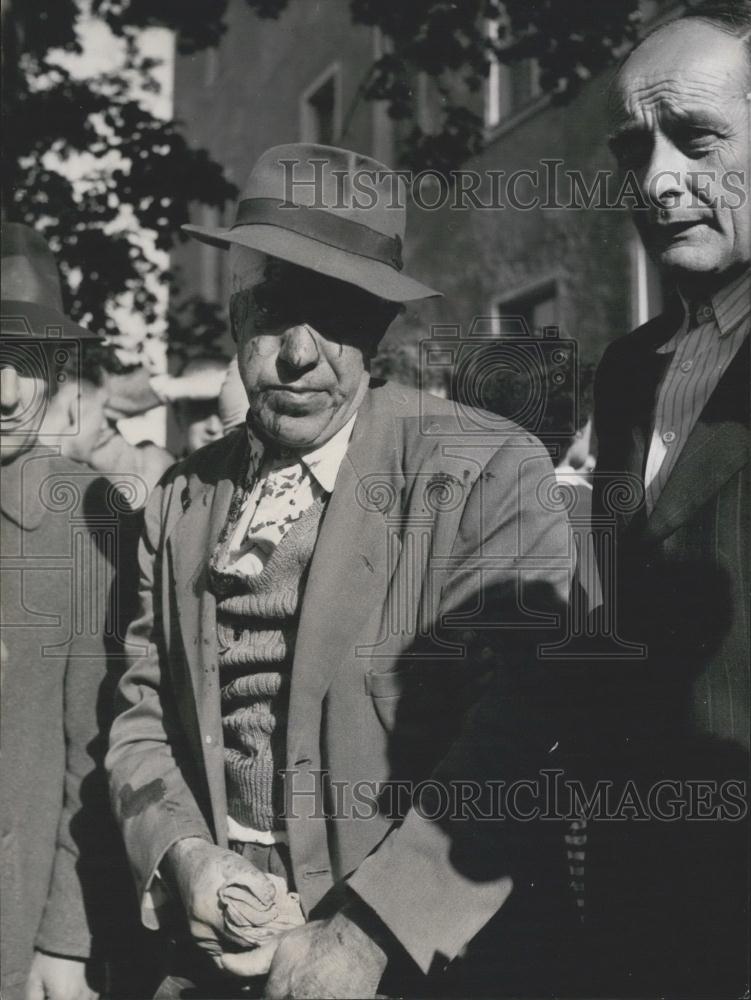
[304, 345]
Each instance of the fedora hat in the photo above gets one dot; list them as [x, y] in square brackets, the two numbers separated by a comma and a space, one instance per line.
[327, 209]
[32, 299]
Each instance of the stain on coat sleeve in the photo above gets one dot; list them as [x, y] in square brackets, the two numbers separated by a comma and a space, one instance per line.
[133, 802]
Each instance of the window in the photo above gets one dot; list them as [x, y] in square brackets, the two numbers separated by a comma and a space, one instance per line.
[509, 88]
[497, 105]
[524, 82]
[529, 312]
[320, 108]
[528, 371]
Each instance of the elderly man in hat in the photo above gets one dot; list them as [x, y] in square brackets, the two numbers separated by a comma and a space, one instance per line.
[298, 580]
[60, 883]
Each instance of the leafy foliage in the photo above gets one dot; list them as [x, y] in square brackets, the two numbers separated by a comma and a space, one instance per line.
[199, 25]
[139, 173]
[450, 41]
[196, 328]
[142, 175]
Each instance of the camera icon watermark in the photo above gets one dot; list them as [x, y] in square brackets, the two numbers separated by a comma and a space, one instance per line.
[504, 380]
[44, 365]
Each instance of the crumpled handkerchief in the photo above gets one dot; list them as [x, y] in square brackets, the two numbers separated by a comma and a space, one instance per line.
[252, 919]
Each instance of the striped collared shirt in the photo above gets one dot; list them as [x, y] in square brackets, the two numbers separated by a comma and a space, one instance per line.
[702, 348]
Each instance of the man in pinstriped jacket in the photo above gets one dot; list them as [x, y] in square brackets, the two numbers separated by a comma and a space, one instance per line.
[669, 899]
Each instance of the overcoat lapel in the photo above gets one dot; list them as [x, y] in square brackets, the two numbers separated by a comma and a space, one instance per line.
[348, 578]
[717, 447]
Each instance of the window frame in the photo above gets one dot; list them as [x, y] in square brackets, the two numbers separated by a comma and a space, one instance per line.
[531, 291]
[306, 113]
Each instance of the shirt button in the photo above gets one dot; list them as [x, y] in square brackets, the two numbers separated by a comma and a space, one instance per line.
[705, 313]
[668, 437]
[209, 739]
[686, 366]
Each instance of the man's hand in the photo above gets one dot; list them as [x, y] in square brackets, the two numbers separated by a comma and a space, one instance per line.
[326, 958]
[54, 978]
[198, 870]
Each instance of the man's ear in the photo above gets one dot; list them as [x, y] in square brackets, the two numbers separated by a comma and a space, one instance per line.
[73, 406]
[65, 409]
[55, 416]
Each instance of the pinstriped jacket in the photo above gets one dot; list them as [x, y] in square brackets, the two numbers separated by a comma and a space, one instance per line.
[682, 573]
[667, 897]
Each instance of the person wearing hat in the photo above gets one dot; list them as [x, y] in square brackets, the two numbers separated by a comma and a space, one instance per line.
[296, 647]
[198, 418]
[63, 882]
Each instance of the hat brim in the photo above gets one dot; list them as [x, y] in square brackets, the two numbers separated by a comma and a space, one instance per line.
[371, 275]
[28, 319]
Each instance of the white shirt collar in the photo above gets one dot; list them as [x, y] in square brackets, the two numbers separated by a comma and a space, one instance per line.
[322, 462]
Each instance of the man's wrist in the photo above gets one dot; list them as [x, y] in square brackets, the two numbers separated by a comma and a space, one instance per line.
[180, 860]
[367, 931]
[184, 847]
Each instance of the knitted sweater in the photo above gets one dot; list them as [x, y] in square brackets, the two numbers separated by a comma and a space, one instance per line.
[256, 619]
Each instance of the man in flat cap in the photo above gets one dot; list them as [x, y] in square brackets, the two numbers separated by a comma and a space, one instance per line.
[298, 580]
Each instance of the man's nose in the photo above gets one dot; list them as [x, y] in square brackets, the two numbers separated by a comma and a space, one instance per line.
[10, 390]
[298, 348]
[665, 179]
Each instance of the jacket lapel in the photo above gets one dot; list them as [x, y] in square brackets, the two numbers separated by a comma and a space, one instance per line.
[191, 542]
[635, 391]
[647, 378]
[717, 447]
[348, 571]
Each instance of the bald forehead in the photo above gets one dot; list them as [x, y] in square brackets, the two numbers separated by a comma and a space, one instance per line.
[688, 58]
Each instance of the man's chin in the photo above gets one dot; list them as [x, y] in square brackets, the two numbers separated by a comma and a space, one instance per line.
[298, 431]
[689, 258]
